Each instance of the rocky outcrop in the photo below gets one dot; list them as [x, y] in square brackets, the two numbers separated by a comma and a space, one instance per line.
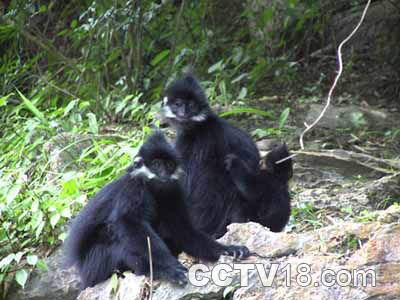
[343, 261]
[57, 283]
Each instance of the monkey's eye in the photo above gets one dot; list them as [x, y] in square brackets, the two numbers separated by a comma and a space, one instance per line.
[193, 106]
[170, 166]
[178, 102]
[137, 163]
[156, 164]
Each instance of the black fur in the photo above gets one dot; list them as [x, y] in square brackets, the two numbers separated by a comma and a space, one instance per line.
[268, 189]
[110, 233]
[215, 198]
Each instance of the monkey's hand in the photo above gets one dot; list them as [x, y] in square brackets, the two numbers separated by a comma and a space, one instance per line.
[176, 274]
[230, 161]
[237, 251]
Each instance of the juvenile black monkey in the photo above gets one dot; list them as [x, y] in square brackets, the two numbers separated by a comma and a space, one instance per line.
[203, 141]
[110, 233]
[268, 189]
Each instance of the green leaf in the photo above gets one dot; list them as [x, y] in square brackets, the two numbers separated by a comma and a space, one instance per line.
[66, 213]
[159, 57]
[21, 277]
[39, 228]
[242, 94]
[93, 126]
[54, 219]
[240, 77]
[32, 259]
[248, 110]
[69, 188]
[229, 290]
[12, 193]
[41, 264]
[216, 67]
[3, 100]
[74, 23]
[18, 256]
[7, 260]
[283, 117]
[114, 282]
[35, 206]
[84, 104]
[62, 236]
[267, 16]
[29, 105]
[69, 107]
[222, 87]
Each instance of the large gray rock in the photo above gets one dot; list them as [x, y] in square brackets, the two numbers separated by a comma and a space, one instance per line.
[132, 287]
[370, 247]
[58, 283]
[351, 116]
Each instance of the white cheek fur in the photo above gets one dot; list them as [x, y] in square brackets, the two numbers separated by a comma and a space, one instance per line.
[165, 100]
[199, 118]
[167, 112]
[177, 174]
[143, 171]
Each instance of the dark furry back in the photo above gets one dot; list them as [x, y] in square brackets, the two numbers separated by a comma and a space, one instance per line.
[283, 170]
[274, 207]
[156, 146]
[213, 200]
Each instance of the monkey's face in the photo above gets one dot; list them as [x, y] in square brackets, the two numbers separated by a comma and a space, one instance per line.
[185, 103]
[157, 169]
[179, 111]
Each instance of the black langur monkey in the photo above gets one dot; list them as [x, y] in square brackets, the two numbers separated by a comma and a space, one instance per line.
[268, 189]
[110, 233]
[203, 141]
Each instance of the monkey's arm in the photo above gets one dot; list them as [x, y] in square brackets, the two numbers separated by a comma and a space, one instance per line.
[244, 178]
[195, 242]
[136, 252]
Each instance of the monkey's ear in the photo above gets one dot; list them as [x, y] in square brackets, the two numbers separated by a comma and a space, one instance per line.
[190, 79]
[130, 169]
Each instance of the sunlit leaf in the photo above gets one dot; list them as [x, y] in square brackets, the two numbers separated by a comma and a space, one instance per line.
[240, 77]
[216, 67]
[69, 107]
[29, 104]
[3, 100]
[69, 188]
[74, 23]
[114, 282]
[247, 110]
[7, 260]
[32, 259]
[267, 16]
[228, 290]
[12, 193]
[66, 213]
[242, 94]
[222, 87]
[93, 126]
[21, 277]
[159, 57]
[18, 256]
[35, 206]
[62, 236]
[41, 264]
[54, 220]
[283, 117]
